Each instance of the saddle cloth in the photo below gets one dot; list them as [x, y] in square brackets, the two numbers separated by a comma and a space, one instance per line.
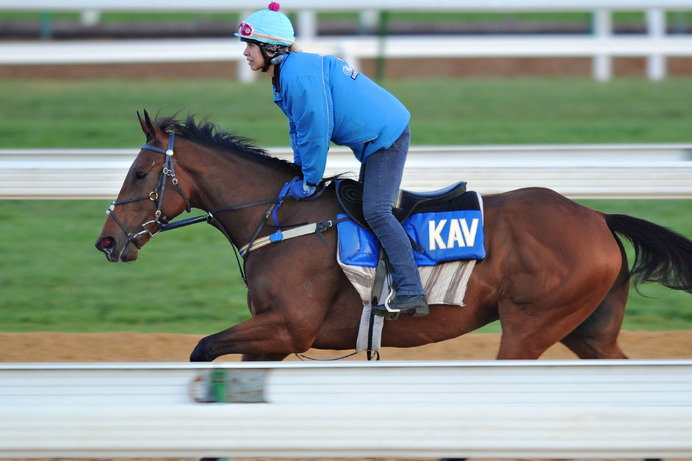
[448, 244]
[443, 284]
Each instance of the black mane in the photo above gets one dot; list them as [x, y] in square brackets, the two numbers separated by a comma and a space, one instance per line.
[209, 134]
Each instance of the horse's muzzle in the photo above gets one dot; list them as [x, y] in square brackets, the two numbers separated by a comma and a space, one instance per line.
[107, 244]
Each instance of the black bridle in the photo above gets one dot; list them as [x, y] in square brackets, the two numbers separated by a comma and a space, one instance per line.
[162, 223]
[160, 220]
[156, 195]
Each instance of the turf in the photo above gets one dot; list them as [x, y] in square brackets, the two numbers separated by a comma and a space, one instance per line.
[102, 113]
[187, 281]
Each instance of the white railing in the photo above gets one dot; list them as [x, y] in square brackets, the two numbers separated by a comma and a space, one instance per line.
[578, 171]
[601, 45]
[223, 6]
[515, 409]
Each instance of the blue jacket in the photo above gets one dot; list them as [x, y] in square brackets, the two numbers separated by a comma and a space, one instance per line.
[326, 101]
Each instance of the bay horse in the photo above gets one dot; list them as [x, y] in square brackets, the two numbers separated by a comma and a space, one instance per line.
[555, 271]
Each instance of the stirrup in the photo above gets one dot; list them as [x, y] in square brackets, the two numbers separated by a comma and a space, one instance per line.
[383, 310]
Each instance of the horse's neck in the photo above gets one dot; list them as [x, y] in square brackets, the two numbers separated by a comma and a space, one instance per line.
[235, 185]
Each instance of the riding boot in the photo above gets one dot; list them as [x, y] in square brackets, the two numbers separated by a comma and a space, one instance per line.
[413, 305]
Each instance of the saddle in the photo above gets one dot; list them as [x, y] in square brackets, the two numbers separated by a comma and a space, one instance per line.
[445, 229]
[349, 193]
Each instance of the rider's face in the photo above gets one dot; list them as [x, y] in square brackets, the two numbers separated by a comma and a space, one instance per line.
[254, 57]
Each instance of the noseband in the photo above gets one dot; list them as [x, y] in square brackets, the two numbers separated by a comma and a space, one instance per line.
[155, 195]
[162, 223]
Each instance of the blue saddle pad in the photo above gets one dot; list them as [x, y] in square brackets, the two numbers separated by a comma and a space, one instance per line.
[442, 235]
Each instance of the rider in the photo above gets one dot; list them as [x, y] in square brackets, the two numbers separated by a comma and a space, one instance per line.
[326, 100]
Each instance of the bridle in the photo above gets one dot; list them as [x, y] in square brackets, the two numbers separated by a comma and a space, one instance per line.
[156, 195]
[161, 222]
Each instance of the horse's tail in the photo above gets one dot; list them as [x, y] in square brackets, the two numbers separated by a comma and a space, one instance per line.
[661, 255]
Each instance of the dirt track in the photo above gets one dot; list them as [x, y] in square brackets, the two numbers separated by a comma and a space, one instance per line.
[135, 347]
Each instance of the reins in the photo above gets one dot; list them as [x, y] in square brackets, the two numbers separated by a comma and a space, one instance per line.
[162, 221]
[279, 235]
[255, 243]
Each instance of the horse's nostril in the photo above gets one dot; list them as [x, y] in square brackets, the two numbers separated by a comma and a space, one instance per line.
[107, 242]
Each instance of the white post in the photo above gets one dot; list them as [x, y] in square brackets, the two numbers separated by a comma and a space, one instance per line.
[307, 25]
[602, 29]
[368, 20]
[656, 27]
[90, 18]
[346, 53]
[244, 73]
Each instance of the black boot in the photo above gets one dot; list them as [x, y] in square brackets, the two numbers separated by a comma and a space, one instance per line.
[413, 305]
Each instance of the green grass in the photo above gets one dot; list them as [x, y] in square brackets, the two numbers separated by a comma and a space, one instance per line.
[408, 17]
[187, 280]
[101, 113]
[52, 278]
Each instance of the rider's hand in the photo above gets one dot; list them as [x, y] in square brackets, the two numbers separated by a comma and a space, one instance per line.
[300, 190]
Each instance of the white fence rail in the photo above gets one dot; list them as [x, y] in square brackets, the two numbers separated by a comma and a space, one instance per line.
[223, 6]
[522, 409]
[578, 171]
[601, 46]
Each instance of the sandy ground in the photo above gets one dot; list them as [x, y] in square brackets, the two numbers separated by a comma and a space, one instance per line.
[136, 347]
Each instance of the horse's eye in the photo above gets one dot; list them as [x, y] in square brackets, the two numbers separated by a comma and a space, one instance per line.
[141, 175]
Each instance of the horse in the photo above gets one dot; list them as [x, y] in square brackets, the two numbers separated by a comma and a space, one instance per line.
[554, 270]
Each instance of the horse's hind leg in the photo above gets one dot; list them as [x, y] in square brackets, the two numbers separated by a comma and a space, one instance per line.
[527, 337]
[587, 323]
[596, 337]
[532, 322]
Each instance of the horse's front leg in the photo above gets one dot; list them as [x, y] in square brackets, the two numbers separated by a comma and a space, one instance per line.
[263, 357]
[268, 336]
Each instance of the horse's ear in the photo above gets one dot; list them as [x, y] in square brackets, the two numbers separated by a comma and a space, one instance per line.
[147, 131]
[150, 129]
[146, 124]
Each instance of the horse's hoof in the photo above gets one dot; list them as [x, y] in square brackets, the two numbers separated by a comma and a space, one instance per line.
[200, 354]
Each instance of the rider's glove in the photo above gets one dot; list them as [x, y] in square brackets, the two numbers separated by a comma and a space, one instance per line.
[300, 190]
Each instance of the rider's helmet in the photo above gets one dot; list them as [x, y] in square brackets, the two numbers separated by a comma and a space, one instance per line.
[268, 26]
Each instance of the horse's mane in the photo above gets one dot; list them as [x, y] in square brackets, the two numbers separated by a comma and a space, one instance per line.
[209, 134]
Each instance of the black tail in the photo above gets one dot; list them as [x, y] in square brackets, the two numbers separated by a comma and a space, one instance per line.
[662, 255]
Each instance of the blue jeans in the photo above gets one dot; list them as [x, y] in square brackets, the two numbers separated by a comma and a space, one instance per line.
[381, 177]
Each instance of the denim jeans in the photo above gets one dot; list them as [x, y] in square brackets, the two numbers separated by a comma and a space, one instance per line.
[381, 177]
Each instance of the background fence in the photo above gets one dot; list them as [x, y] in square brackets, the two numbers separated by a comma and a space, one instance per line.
[578, 171]
[515, 409]
[601, 45]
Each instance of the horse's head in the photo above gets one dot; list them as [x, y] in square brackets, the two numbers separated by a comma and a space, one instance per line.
[149, 197]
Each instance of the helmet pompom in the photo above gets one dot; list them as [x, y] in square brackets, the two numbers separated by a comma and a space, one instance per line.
[274, 6]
